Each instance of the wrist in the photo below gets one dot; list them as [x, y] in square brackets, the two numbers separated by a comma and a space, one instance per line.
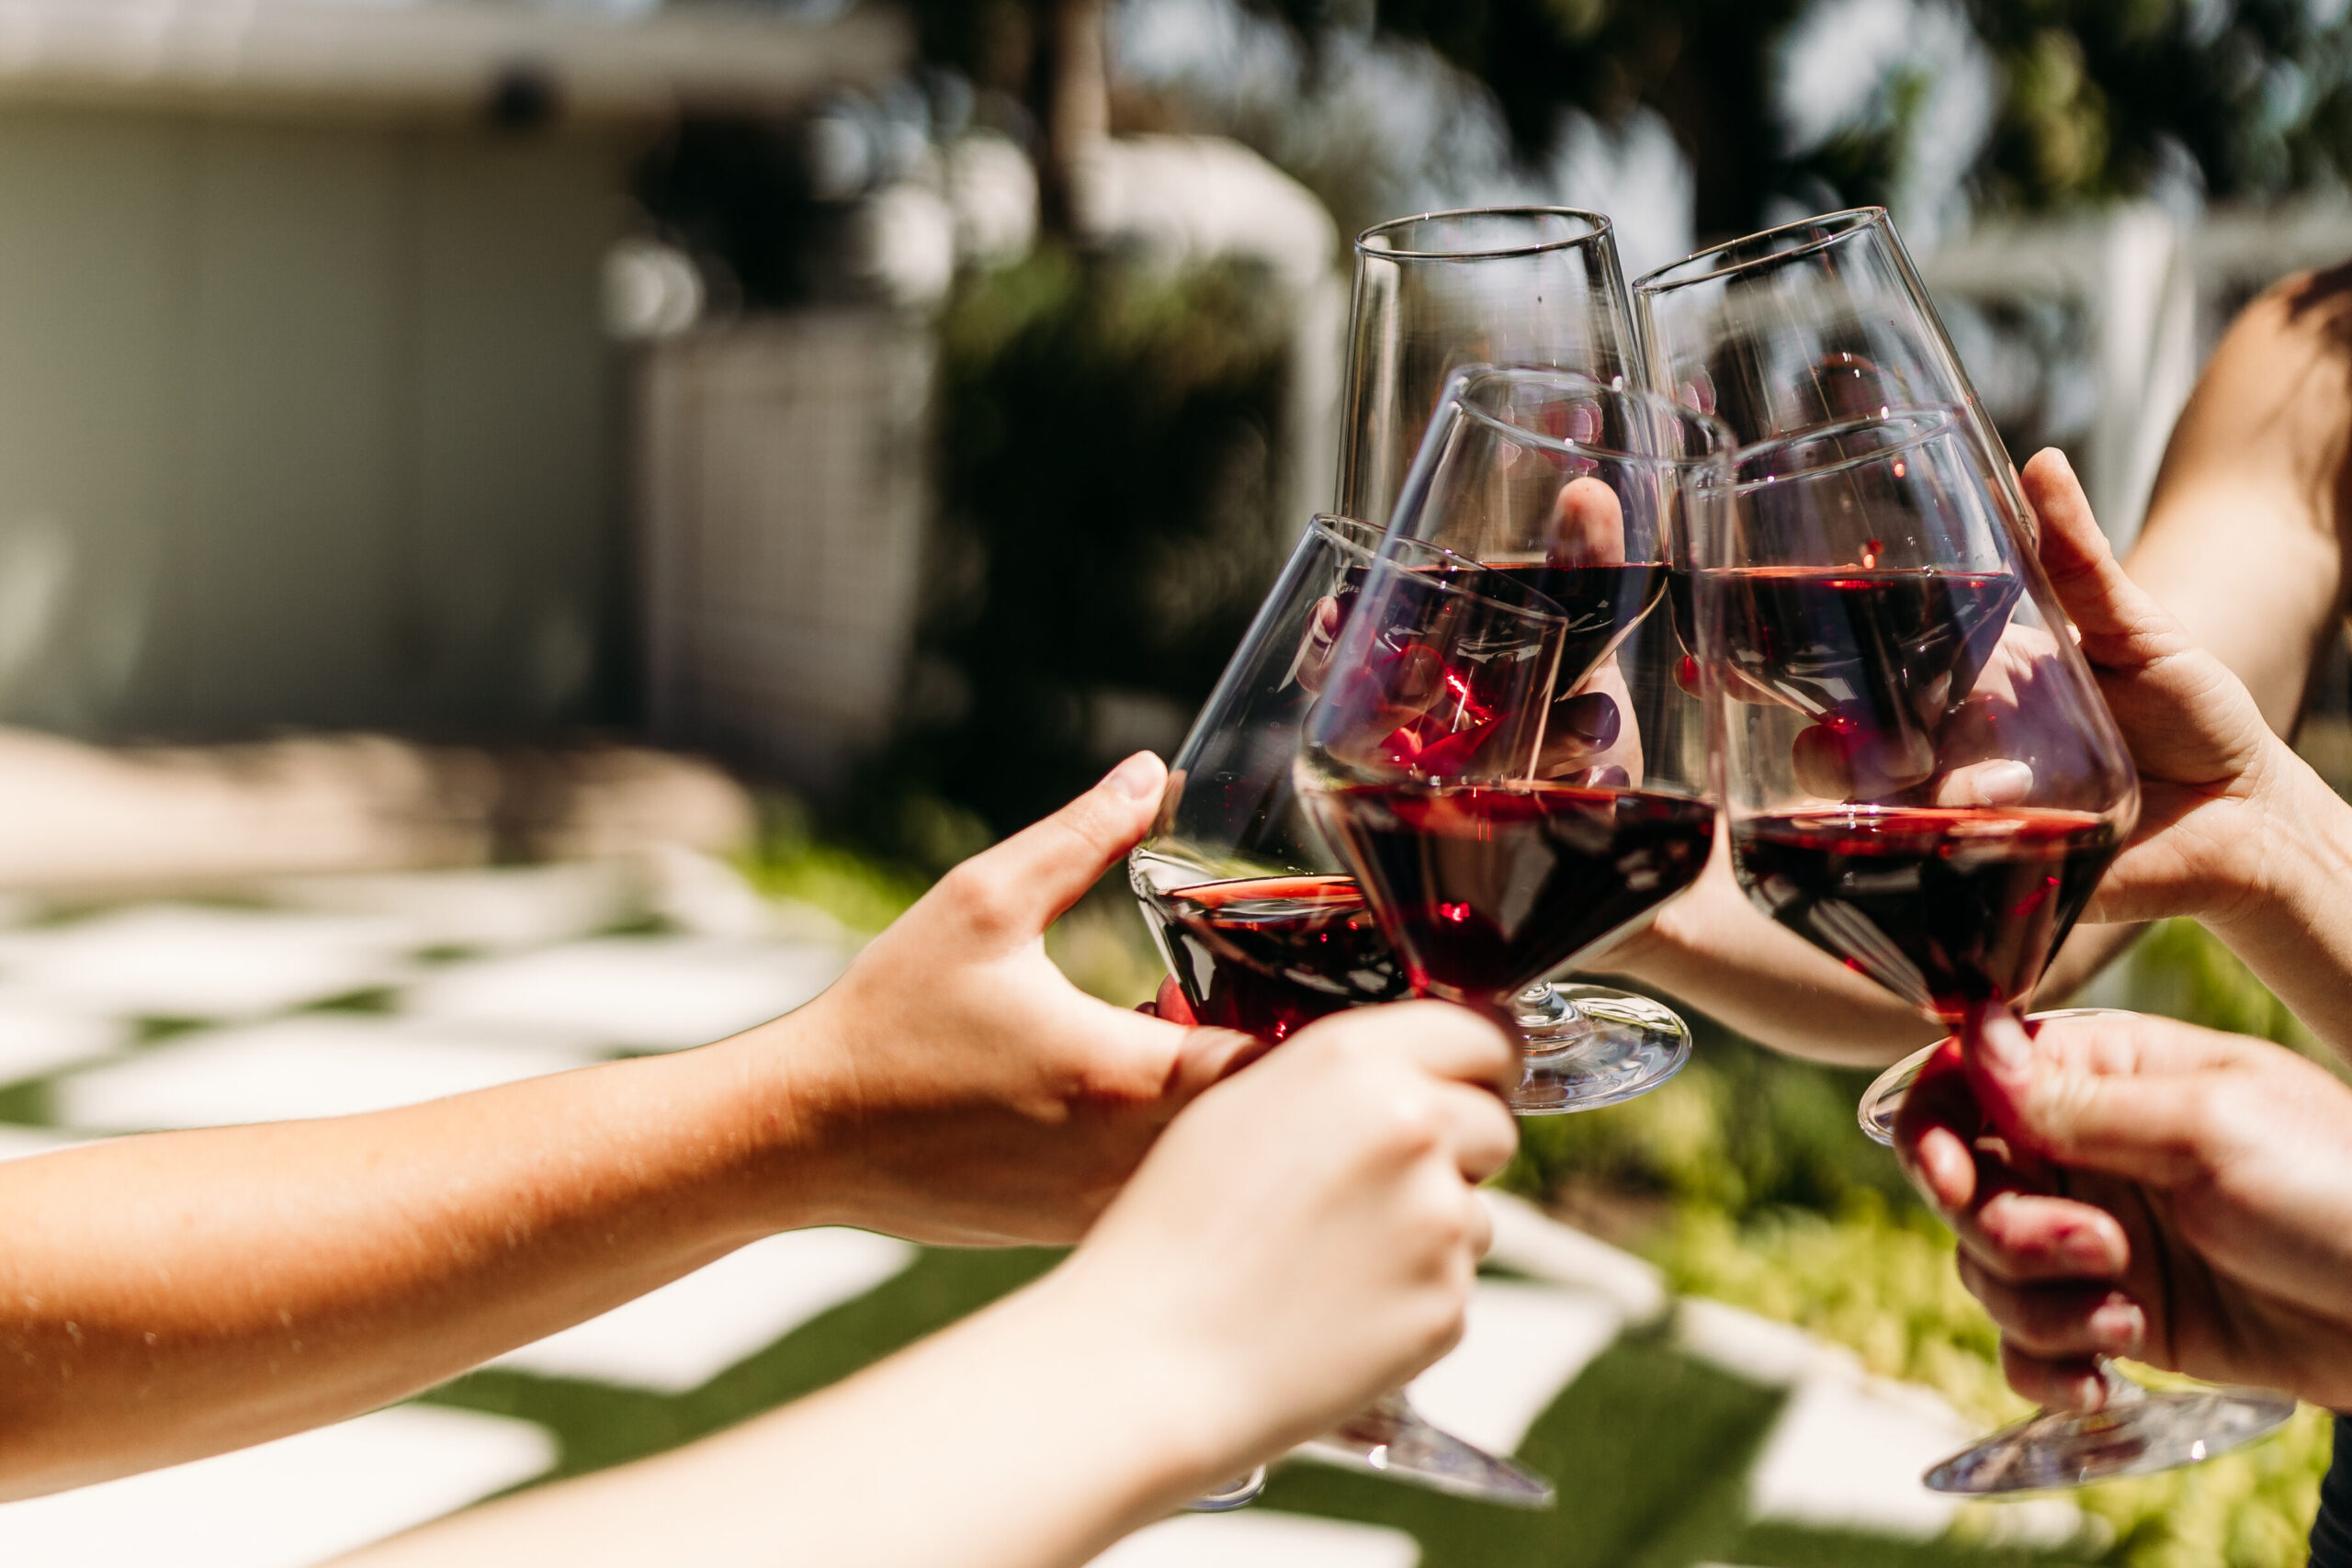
[1178, 1411]
[779, 1125]
[2302, 850]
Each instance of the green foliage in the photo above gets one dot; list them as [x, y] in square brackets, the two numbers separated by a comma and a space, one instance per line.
[2094, 95]
[2258, 92]
[791, 862]
[1741, 1131]
[2180, 970]
[1107, 482]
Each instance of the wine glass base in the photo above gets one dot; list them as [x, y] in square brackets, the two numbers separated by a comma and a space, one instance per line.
[1240, 1493]
[1389, 1440]
[2157, 1430]
[1882, 1101]
[1587, 1047]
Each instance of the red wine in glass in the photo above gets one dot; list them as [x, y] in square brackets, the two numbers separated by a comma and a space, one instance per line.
[1487, 887]
[1269, 955]
[1602, 604]
[1951, 909]
[1861, 648]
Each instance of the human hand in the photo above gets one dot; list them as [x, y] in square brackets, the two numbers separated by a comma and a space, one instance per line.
[2213, 776]
[1303, 1239]
[2132, 1185]
[960, 1089]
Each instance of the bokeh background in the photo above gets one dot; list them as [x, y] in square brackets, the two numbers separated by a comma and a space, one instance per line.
[743, 458]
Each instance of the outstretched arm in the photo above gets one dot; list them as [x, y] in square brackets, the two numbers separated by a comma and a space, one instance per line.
[166, 1297]
[1303, 1240]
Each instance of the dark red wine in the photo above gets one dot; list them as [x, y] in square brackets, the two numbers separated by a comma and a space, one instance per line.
[1947, 908]
[1461, 659]
[1861, 648]
[1604, 603]
[1485, 888]
[1269, 955]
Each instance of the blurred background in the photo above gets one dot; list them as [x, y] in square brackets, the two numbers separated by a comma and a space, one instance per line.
[565, 475]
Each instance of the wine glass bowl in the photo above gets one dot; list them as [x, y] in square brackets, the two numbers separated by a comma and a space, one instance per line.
[1489, 285]
[1803, 325]
[1922, 776]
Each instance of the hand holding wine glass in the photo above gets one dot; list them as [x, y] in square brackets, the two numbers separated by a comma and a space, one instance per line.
[2186, 1198]
[1333, 1184]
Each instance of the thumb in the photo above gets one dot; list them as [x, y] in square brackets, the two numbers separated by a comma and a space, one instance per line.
[1026, 881]
[2122, 626]
[2143, 1125]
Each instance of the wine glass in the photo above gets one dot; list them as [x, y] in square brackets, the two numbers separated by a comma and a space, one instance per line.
[1923, 781]
[1820, 320]
[1520, 285]
[1537, 286]
[1487, 857]
[1582, 490]
[1262, 925]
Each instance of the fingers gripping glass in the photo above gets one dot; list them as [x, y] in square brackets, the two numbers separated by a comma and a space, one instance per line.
[1584, 493]
[1262, 925]
[1922, 780]
[2136, 1432]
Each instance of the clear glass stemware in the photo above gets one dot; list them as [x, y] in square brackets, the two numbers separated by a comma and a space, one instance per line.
[1263, 926]
[1923, 781]
[1536, 287]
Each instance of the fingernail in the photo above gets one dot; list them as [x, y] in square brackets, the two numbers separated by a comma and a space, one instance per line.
[2080, 1249]
[2002, 1046]
[1591, 719]
[1135, 779]
[2118, 1326]
[2001, 783]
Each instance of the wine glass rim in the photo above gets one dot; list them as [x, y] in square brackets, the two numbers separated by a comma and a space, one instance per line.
[1720, 450]
[1931, 420]
[1338, 528]
[1703, 266]
[1598, 229]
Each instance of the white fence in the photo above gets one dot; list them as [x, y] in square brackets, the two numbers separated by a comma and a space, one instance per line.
[2128, 304]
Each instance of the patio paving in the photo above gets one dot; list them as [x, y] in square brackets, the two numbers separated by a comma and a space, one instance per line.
[1677, 1429]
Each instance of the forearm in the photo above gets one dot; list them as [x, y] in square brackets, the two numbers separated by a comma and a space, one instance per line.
[2293, 927]
[1029, 1436]
[189, 1293]
[1711, 949]
[2244, 535]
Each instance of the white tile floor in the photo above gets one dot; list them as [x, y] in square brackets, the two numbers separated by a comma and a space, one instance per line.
[321, 1064]
[1261, 1539]
[41, 1034]
[1525, 1343]
[180, 961]
[648, 993]
[684, 1334]
[289, 1503]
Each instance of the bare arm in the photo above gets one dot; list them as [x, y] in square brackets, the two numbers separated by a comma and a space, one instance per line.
[2246, 532]
[166, 1297]
[1302, 1240]
[172, 1296]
